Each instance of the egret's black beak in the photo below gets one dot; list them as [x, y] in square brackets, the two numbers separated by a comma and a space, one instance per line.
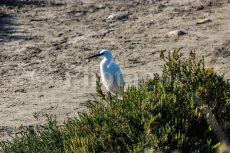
[95, 56]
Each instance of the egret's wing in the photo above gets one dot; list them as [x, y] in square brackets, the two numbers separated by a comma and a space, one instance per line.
[117, 75]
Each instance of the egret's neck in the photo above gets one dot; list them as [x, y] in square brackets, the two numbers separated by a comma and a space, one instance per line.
[104, 63]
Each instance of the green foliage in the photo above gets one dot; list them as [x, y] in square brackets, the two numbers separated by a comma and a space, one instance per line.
[45, 139]
[169, 112]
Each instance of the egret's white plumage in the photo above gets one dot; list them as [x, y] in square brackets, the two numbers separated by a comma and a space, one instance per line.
[111, 74]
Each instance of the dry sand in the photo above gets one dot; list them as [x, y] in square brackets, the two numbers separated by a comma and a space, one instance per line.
[43, 46]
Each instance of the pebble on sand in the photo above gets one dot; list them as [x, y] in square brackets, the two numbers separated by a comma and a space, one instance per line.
[202, 21]
[118, 16]
[176, 33]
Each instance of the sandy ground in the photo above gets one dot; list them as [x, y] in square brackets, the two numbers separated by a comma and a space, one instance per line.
[43, 48]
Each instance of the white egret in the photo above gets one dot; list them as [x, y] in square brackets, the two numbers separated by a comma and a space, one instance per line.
[111, 74]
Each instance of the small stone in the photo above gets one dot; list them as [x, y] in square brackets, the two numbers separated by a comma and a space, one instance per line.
[176, 33]
[20, 90]
[60, 34]
[87, 60]
[40, 96]
[118, 16]
[202, 21]
[199, 7]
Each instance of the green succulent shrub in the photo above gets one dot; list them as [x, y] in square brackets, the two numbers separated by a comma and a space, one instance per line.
[186, 108]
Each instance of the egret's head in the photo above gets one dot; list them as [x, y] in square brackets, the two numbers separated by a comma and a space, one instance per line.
[105, 52]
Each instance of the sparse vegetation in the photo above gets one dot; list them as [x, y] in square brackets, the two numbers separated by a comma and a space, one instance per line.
[163, 114]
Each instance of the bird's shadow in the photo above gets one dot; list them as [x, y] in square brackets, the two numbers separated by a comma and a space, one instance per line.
[21, 2]
[10, 29]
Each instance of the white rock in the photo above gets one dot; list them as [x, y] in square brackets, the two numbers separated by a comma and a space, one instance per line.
[176, 33]
[118, 16]
[202, 21]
